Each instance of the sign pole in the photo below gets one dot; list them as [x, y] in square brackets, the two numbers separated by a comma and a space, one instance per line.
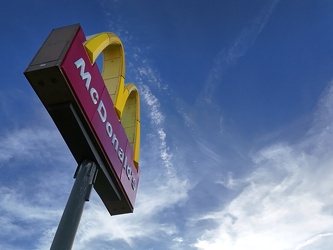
[85, 176]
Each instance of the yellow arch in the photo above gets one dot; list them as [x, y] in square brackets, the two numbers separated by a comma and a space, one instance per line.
[125, 97]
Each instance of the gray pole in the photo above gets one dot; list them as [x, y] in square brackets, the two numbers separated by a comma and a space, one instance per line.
[85, 176]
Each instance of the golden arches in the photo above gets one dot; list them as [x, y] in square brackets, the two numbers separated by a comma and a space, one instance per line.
[125, 97]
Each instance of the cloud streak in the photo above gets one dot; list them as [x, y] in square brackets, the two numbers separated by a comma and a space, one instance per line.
[241, 45]
[204, 120]
[282, 206]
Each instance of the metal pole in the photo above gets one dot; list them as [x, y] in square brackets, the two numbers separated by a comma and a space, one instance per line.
[85, 176]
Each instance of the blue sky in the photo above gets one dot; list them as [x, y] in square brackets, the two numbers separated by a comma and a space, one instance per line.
[236, 126]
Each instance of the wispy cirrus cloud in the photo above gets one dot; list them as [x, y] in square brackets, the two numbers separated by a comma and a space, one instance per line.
[283, 206]
[29, 144]
[314, 239]
[146, 78]
[33, 199]
[227, 57]
[204, 119]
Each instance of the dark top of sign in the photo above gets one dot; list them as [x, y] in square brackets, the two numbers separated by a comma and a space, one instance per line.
[55, 47]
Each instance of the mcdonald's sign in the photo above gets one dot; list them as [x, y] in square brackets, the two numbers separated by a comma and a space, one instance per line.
[96, 113]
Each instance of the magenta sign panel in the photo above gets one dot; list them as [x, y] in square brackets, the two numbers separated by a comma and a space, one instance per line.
[87, 84]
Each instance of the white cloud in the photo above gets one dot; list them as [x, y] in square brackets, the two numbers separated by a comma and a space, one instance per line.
[24, 216]
[19, 206]
[288, 199]
[32, 200]
[156, 116]
[31, 144]
[228, 181]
